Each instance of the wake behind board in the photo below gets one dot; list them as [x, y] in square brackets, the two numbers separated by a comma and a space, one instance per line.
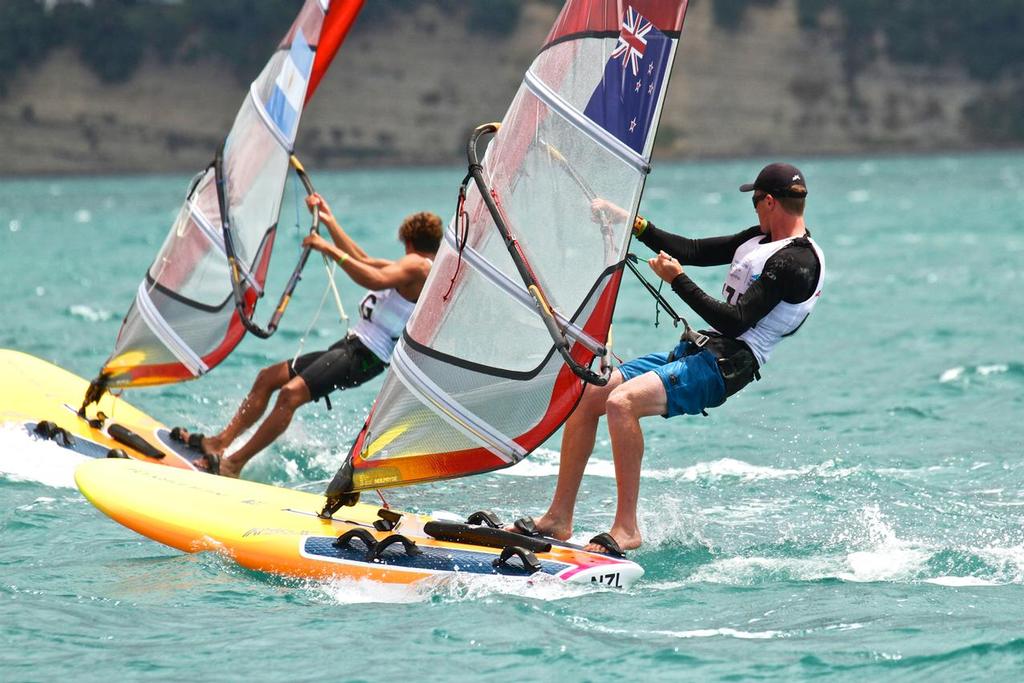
[277, 530]
[33, 391]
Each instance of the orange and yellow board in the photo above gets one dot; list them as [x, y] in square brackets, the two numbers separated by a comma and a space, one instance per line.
[277, 530]
[33, 390]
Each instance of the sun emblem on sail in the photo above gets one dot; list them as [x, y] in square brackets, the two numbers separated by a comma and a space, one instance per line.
[632, 40]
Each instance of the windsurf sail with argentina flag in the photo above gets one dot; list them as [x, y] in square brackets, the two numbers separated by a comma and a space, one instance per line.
[519, 302]
[198, 298]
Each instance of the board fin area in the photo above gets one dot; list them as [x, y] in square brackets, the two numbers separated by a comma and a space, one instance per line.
[278, 530]
[42, 397]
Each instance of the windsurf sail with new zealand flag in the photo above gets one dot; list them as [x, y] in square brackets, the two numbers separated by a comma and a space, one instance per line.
[198, 298]
[520, 299]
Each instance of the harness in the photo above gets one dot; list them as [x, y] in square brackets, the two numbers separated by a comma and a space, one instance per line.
[738, 368]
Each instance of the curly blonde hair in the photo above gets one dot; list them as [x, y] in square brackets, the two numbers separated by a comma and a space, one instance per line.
[423, 229]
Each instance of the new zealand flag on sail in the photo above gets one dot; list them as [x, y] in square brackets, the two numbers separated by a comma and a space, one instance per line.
[625, 99]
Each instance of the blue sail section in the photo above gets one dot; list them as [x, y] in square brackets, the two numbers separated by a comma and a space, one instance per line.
[285, 102]
[626, 98]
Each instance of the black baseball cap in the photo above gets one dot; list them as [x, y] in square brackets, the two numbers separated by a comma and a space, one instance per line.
[779, 180]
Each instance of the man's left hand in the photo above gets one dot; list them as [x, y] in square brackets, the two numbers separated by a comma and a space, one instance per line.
[665, 267]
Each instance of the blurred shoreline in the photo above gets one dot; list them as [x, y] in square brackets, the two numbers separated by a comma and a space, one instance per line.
[458, 168]
[769, 88]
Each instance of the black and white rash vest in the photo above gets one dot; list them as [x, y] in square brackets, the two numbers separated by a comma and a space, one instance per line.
[383, 314]
[782, 320]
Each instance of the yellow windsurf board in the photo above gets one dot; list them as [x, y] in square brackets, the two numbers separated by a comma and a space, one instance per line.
[278, 530]
[44, 398]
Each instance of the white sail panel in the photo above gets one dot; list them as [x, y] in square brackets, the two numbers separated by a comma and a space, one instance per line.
[479, 380]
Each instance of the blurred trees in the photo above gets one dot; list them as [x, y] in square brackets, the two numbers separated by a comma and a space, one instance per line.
[113, 36]
[23, 39]
[984, 38]
[238, 32]
[110, 36]
[729, 14]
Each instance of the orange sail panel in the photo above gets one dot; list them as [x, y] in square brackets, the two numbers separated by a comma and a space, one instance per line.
[475, 384]
[184, 320]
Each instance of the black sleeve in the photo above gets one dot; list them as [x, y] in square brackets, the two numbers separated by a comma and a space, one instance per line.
[790, 275]
[708, 251]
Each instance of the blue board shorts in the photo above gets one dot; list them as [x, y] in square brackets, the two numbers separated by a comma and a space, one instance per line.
[692, 382]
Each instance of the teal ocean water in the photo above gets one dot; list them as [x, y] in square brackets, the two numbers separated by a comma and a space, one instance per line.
[858, 513]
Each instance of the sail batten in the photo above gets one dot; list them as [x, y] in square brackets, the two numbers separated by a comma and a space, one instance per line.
[453, 412]
[264, 116]
[216, 238]
[599, 135]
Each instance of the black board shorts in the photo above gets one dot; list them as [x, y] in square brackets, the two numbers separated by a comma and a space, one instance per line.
[344, 365]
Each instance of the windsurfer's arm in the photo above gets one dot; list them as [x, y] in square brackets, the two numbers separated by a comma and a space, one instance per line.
[785, 278]
[707, 251]
[341, 238]
[390, 274]
[731, 320]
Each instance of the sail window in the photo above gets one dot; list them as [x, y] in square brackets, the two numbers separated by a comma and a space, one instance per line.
[453, 412]
[166, 334]
[216, 238]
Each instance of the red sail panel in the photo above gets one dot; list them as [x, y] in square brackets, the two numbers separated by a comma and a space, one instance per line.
[582, 17]
[340, 17]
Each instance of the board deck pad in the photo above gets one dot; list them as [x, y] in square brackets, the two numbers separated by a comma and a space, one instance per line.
[434, 559]
[165, 443]
[33, 390]
[79, 444]
[277, 530]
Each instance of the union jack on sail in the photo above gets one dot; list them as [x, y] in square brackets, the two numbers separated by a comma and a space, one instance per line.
[625, 104]
[632, 40]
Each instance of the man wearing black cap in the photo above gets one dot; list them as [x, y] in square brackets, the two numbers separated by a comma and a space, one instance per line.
[774, 280]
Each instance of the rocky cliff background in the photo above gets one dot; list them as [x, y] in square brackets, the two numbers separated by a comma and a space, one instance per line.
[753, 77]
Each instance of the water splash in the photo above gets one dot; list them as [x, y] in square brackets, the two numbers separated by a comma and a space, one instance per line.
[884, 556]
[964, 375]
[26, 458]
[544, 463]
[447, 588]
[93, 315]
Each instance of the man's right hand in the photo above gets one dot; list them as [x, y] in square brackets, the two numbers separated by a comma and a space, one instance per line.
[318, 243]
[603, 210]
[666, 267]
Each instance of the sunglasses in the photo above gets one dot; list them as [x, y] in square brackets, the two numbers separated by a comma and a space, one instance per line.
[756, 199]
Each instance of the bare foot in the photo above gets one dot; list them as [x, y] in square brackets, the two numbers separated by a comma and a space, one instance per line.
[228, 468]
[548, 525]
[626, 541]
